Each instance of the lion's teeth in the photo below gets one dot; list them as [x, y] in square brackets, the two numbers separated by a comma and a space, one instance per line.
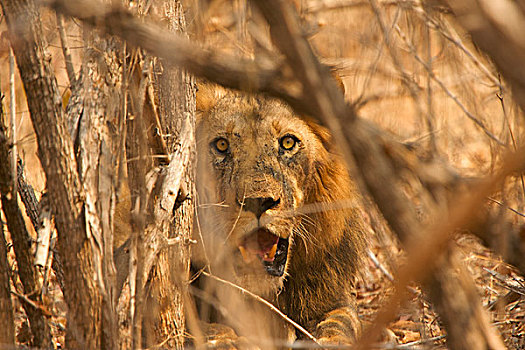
[247, 257]
[270, 255]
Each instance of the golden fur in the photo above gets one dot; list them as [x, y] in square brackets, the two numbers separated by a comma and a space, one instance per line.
[302, 194]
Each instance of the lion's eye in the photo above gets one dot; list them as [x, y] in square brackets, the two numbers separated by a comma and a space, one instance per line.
[221, 145]
[288, 142]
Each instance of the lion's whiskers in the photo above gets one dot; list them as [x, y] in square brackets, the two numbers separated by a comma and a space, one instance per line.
[238, 216]
[212, 205]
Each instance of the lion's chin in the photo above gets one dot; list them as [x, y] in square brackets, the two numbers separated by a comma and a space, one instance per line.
[262, 284]
[261, 277]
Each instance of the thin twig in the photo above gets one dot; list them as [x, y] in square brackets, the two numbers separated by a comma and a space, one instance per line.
[372, 71]
[338, 5]
[410, 84]
[265, 302]
[25, 299]
[413, 343]
[511, 133]
[450, 94]
[65, 49]
[430, 111]
[434, 24]
[380, 266]
[509, 208]
[507, 282]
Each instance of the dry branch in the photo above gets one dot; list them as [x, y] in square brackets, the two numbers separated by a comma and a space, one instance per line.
[34, 208]
[65, 49]
[43, 240]
[7, 323]
[265, 302]
[12, 118]
[449, 93]
[22, 245]
[377, 158]
[175, 206]
[497, 27]
[374, 165]
[56, 154]
[259, 75]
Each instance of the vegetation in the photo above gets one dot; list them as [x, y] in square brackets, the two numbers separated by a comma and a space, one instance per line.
[431, 128]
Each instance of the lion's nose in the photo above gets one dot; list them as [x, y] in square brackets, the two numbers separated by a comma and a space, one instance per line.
[259, 205]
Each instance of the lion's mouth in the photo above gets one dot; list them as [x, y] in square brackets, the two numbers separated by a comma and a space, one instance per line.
[270, 249]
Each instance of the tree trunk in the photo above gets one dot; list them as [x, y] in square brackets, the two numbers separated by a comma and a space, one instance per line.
[7, 322]
[22, 247]
[55, 149]
[93, 112]
[176, 100]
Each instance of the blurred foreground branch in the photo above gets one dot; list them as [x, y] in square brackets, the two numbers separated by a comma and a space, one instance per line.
[263, 74]
[379, 160]
[497, 27]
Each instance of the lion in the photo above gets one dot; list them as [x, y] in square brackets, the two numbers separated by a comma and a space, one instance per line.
[288, 209]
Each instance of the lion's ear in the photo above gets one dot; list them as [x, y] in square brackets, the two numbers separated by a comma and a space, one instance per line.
[208, 94]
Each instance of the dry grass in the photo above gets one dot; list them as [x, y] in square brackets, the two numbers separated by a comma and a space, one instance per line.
[396, 91]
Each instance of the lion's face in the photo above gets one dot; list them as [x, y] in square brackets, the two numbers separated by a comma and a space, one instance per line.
[261, 158]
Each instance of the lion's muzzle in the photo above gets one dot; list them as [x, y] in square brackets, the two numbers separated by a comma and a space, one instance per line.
[270, 249]
[259, 205]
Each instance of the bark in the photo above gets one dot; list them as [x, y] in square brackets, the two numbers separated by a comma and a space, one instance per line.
[378, 159]
[176, 96]
[34, 210]
[55, 150]
[22, 247]
[7, 322]
[93, 112]
[140, 161]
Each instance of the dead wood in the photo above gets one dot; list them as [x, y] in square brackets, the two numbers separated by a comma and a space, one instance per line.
[22, 247]
[377, 158]
[34, 210]
[497, 28]
[375, 155]
[55, 150]
[7, 323]
[175, 208]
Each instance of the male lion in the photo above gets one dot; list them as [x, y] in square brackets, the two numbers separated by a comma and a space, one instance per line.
[288, 208]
